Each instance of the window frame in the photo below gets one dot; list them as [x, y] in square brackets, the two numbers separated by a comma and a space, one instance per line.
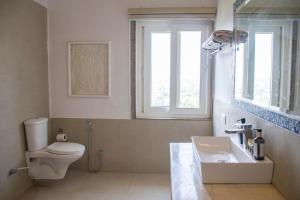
[143, 67]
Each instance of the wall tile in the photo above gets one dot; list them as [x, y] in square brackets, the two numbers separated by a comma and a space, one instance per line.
[131, 145]
[24, 85]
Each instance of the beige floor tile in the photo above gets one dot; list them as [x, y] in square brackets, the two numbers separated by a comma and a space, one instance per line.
[80, 185]
[41, 193]
[72, 182]
[107, 184]
[31, 194]
[98, 196]
[150, 186]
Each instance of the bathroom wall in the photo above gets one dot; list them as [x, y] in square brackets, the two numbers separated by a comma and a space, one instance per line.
[24, 85]
[282, 146]
[96, 20]
[130, 145]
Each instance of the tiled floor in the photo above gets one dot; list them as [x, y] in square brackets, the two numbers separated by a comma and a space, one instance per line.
[79, 185]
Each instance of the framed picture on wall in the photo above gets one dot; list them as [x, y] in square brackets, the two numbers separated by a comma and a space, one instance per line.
[89, 69]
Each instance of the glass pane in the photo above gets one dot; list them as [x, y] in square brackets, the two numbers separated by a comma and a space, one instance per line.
[160, 69]
[263, 67]
[239, 70]
[190, 59]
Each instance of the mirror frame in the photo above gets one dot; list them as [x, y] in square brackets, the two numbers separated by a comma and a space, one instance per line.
[285, 120]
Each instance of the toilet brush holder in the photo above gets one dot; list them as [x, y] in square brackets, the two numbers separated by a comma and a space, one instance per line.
[95, 164]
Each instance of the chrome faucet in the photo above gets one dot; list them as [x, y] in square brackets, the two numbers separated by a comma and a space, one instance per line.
[244, 130]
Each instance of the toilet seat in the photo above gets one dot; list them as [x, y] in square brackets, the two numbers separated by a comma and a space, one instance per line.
[59, 151]
[65, 148]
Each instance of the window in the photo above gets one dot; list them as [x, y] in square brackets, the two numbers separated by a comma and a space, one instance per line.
[172, 72]
[263, 67]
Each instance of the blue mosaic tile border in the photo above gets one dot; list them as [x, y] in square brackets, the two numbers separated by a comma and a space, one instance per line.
[281, 120]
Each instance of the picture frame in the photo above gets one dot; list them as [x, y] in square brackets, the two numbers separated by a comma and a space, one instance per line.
[89, 69]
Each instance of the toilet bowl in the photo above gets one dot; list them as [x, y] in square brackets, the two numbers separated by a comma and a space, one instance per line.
[48, 162]
[53, 161]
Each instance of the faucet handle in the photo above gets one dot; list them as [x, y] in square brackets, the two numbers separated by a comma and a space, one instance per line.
[242, 120]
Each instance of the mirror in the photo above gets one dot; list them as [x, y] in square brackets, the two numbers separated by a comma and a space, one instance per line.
[267, 63]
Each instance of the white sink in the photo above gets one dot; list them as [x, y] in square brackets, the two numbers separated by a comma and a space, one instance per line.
[223, 160]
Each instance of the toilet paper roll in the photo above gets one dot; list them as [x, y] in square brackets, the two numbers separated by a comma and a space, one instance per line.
[61, 138]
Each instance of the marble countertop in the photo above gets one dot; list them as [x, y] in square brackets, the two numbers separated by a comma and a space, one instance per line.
[186, 182]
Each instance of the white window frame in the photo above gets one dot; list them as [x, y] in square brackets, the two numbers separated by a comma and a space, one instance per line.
[143, 73]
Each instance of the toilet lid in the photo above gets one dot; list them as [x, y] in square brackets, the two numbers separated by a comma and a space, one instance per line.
[65, 148]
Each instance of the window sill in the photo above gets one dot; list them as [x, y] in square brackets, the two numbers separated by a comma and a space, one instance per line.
[191, 118]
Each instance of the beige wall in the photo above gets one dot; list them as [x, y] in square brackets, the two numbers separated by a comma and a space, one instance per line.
[282, 146]
[23, 85]
[131, 145]
[96, 20]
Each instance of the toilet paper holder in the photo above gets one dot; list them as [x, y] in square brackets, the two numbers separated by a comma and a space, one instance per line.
[61, 136]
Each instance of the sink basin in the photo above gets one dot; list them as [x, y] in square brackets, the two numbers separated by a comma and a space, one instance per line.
[224, 160]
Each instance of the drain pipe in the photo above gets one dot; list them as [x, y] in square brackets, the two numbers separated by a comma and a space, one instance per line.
[13, 171]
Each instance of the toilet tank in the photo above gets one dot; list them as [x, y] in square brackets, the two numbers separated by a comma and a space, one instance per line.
[36, 133]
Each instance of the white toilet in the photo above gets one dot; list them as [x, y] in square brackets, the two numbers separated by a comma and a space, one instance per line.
[48, 162]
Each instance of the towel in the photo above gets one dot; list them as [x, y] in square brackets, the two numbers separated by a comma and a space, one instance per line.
[221, 37]
[210, 44]
[217, 40]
